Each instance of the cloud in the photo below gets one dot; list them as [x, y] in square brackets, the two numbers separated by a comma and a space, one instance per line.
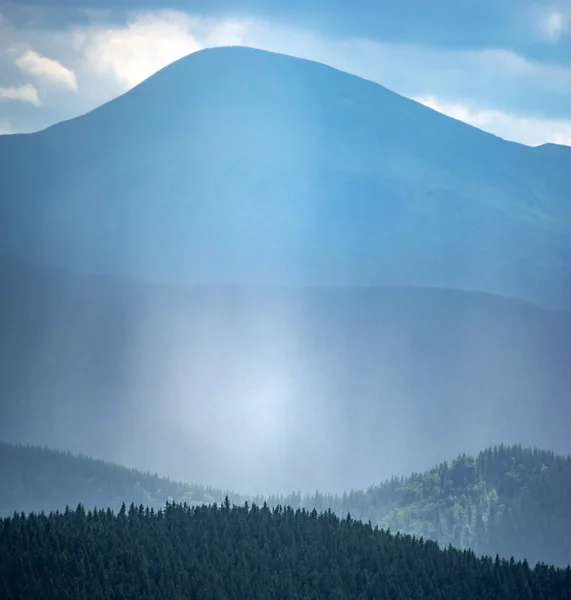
[526, 130]
[499, 78]
[47, 69]
[148, 42]
[555, 24]
[450, 24]
[23, 93]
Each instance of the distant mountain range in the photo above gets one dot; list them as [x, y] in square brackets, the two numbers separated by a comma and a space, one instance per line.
[238, 166]
[273, 389]
[510, 501]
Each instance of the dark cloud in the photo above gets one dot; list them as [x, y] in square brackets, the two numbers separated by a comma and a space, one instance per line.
[521, 25]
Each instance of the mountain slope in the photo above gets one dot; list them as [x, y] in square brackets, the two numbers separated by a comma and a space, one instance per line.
[211, 552]
[38, 479]
[508, 501]
[235, 165]
[271, 389]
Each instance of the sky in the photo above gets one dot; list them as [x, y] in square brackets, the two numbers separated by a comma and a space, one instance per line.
[501, 65]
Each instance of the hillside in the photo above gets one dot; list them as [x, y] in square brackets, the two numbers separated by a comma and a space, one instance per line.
[507, 500]
[262, 389]
[40, 479]
[239, 166]
[510, 501]
[225, 552]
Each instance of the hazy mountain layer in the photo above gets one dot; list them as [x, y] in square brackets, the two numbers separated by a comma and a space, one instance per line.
[240, 166]
[38, 479]
[272, 389]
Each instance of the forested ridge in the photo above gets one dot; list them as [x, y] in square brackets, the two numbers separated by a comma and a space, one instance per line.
[508, 500]
[227, 552]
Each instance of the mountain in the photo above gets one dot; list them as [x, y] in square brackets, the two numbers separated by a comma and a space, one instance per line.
[38, 479]
[264, 389]
[238, 166]
[510, 501]
[243, 552]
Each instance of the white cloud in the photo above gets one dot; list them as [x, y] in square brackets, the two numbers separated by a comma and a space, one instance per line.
[47, 69]
[407, 68]
[148, 42]
[526, 130]
[23, 93]
[555, 24]
[458, 111]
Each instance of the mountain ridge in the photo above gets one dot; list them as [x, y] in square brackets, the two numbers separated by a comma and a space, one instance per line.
[185, 59]
[546, 145]
[19, 267]
[315, 63]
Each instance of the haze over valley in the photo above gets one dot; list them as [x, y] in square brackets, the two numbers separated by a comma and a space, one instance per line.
[340, 388]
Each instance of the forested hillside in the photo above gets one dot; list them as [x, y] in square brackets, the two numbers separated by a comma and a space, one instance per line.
[510, 501]
[228, 553]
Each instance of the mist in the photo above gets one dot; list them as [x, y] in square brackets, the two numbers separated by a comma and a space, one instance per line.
[269, 390]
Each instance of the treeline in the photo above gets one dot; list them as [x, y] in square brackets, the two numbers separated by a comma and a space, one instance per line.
[225, 552]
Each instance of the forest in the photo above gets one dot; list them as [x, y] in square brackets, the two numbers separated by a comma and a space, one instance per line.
[228, 552]
[507, 500]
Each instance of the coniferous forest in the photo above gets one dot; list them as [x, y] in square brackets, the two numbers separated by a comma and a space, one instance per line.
[229, 552]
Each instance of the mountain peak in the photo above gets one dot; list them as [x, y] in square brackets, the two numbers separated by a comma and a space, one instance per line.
[241, 73]
[246, 166]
